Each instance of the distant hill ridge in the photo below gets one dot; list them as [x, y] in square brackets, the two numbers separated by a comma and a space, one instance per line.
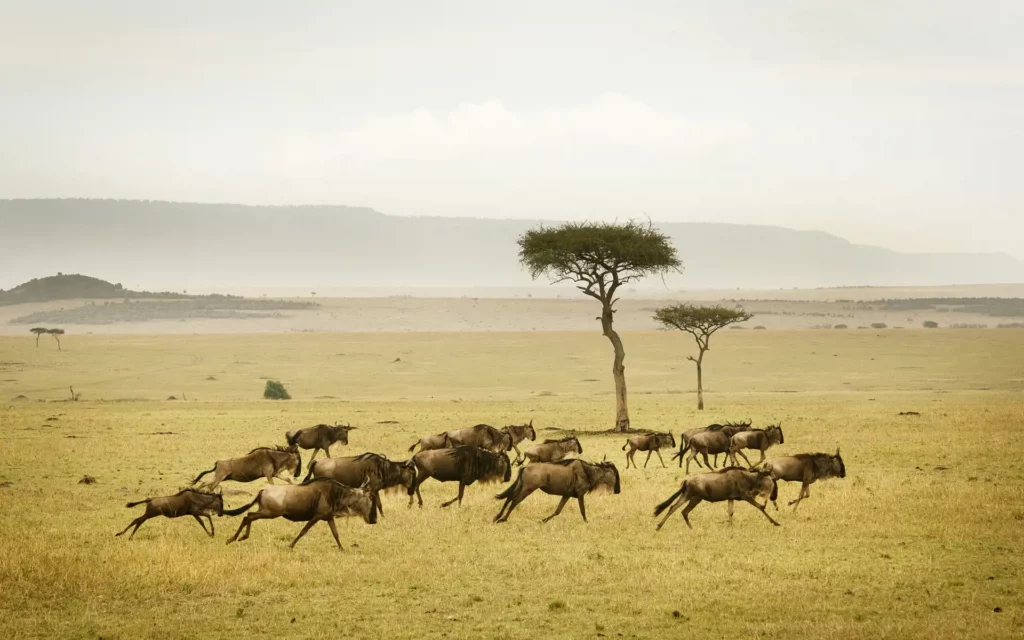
[211, 245]
[71, 286]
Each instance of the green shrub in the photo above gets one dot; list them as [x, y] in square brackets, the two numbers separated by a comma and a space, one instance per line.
[930, 324]
[275, 391]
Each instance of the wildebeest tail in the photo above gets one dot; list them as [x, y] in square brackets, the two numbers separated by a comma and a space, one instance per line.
[135, 504]
[312, 463]
[775, 490]
[413, 446]
[513, 488]
[373, 508]
[625, 445]
[241, 510]
[682, 452]
[672, 498]
[210, 470]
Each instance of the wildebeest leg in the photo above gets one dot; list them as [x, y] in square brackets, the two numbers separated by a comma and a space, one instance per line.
[678, 503]
[658, 451]
[805, 492]
[693, 456]
[334, 531]
[558, 509]
[514, 502]
[309, 525]
[715, 459]
[740, 451]
[137, 522]
[210, 518]
[629, 457]
[203, 525]
[462, 488]
[418, 497]
[759, 508]
[247, 525]
[688, 509]
[583, 509]
[649, 452]
[730, 511]
[762, 457]
[708, 464]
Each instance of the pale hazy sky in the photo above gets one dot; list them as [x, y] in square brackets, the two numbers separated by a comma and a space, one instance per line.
[896, 123]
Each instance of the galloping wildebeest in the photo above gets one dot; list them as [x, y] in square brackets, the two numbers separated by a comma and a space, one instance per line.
[518, 433]
[374, 468]
[731, 428]
[310, 502]
[553, 450]
[759, 439]
[464, 465]
[187, 502]
[261, 462]
[731, 483]
[805, 468]
[322, 436]
[483, 436]
[649, 442]
[569, 479]
[427, 443]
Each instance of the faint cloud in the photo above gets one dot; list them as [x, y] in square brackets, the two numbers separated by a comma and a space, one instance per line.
[610, 120]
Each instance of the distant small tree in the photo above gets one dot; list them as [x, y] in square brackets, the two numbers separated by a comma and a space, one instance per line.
[275, 391]
[930, 324]
[38, 331]
[878, 325]
[701, 323]
[56, 333]
[599, 258]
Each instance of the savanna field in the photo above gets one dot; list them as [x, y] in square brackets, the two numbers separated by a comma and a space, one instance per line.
[922, 538]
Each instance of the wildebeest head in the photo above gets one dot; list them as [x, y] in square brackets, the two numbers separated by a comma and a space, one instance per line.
[402, 474]
[207, 501]
[293, 452]
[609, 476]
[764, 484]
[774, 433]
[359, 502]
[668, 439]
[341, 432]
[533, 434]
[838, 468]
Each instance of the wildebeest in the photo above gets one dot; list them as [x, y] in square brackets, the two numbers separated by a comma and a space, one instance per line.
[321, 436]
[464, 465]
[310, 502]
[568, 479]
[649, 442]
[518, 433]
[483, 436]
[427, 443]
[805, 468]
[187, 502]
[731, 483]
[261, 462]
[553, 450]
[759, 439]
[377, 470]
[730, 428]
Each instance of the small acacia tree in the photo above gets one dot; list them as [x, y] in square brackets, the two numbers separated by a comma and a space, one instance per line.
[599, 258]
[701, 323]
[38, 331]
[56, 333]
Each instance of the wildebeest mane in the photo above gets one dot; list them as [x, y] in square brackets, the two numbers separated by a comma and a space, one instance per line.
[201, 492]
[559, 440]
[273, 448]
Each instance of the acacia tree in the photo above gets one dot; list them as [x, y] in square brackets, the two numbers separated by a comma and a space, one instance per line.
[38, 331]
[701, 323]
[599, 258]
[56, 333]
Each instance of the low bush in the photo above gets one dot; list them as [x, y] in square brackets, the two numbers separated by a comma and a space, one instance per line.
[275, 391]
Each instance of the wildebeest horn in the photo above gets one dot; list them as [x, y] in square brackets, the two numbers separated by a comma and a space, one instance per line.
[531, 423]
[837, 452]
[605, 458]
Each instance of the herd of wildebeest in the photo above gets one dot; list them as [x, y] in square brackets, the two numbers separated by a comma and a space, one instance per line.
[351, 486]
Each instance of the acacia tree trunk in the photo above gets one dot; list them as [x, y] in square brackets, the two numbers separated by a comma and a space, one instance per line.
[618, 370]
[700, 382]
[58, 341]
[37, 340]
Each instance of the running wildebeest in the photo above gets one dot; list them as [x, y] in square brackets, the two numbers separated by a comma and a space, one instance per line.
[553, 450]
[310, 502]
[649, 442]
[759, 439]
[731, 428]
[321, 436]
[731, 483]
[261, 462]
[464, 465]
[805, 468]
[187, 502]
[352, 471]
[427, 443]
[483, 436]
[569, 479]
[518, 433]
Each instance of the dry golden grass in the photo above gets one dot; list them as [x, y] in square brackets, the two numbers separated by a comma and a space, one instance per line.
[900, 548]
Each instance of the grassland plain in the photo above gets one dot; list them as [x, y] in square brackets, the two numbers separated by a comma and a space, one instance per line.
[922, 539]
